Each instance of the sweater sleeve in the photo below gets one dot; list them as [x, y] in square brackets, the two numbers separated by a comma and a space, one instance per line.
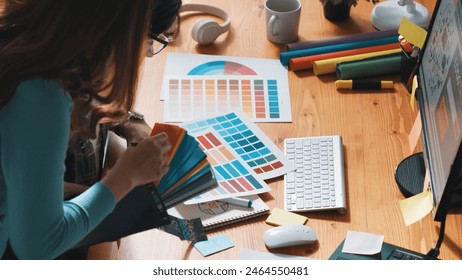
[34, 136]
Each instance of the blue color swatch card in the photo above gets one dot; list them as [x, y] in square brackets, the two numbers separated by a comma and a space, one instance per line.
[250, 143]
[214, 245]
[232, 176]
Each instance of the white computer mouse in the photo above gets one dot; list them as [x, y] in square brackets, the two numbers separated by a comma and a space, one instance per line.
[289, 235]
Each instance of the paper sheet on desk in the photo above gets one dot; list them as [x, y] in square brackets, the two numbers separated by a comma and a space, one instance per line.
[362, 243]
[254, 147]
[201, 86]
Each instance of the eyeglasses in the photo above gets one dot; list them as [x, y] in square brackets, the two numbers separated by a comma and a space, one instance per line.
[156, 44]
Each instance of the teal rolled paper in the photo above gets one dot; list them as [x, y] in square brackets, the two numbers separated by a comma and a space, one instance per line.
[374, 66]
[285, 57]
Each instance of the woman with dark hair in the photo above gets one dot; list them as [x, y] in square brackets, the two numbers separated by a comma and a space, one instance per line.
[65, 68]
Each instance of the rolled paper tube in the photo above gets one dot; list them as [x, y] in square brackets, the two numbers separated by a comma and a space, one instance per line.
[306, 62]
[328, 66]
[341, 39]
[284, 57]
[374, 66]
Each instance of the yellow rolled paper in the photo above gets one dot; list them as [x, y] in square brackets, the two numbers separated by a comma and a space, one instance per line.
[328, 66]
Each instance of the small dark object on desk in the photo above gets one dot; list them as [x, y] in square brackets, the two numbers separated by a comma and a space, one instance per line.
[363, 84]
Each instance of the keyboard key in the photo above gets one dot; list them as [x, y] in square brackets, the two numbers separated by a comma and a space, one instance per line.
[290, 177]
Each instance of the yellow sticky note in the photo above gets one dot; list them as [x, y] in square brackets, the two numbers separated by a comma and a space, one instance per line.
[413, 33]
[280, 217]
[416, 207]
[415, 85]
[415, 133]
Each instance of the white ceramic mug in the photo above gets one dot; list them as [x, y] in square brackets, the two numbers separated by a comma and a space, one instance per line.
[282, 20]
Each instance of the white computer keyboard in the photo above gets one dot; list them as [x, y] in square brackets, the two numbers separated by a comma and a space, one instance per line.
[318, 181]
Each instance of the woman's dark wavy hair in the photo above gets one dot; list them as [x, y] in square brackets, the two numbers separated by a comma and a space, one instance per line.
[93, 47]
[164, 13]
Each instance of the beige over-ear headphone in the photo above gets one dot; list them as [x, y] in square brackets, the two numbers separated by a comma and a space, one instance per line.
[206, 31]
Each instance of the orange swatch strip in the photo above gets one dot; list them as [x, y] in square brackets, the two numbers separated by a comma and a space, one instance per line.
[175, 135]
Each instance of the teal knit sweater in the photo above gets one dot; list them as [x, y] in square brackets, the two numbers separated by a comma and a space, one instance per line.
[34, 132]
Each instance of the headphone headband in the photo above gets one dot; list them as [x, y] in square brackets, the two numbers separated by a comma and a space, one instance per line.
[209, 10]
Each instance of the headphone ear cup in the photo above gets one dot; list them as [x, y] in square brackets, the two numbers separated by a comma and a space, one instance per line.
[205, 31]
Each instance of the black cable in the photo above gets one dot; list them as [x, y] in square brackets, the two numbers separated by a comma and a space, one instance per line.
[435, 251]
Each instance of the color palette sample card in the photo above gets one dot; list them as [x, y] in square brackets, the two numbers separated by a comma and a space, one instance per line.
[247, 140]
[197, 86]
[214, 245]
[233, 177]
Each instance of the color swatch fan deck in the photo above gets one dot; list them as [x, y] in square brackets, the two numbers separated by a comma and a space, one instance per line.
[189, 172]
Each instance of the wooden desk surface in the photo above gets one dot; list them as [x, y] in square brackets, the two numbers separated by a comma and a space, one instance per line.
[374, 127]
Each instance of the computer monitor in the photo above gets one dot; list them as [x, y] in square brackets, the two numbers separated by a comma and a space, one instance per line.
[440, 104]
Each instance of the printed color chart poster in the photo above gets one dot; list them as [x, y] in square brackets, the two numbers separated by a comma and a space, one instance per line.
[248, 141]
[233, 177]
[198, 86]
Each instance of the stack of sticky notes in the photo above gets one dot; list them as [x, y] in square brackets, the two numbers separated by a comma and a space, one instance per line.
[280, 217]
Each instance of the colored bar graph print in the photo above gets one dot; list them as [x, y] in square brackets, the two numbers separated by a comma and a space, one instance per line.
[233, 177]
[253, 147]
[193, 97]
[200, 86]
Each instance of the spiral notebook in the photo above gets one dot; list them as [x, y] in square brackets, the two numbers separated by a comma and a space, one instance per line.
[217, 213]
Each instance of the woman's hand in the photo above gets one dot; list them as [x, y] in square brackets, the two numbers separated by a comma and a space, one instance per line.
[132, 130]
[138, 165]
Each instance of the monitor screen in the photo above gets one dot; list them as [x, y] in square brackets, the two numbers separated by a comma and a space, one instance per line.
[440, 99]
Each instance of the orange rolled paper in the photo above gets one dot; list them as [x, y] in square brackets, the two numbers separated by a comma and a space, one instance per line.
[306, 62]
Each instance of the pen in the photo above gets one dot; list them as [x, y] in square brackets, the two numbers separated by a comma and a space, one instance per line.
[238, 201]
[363, 84]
